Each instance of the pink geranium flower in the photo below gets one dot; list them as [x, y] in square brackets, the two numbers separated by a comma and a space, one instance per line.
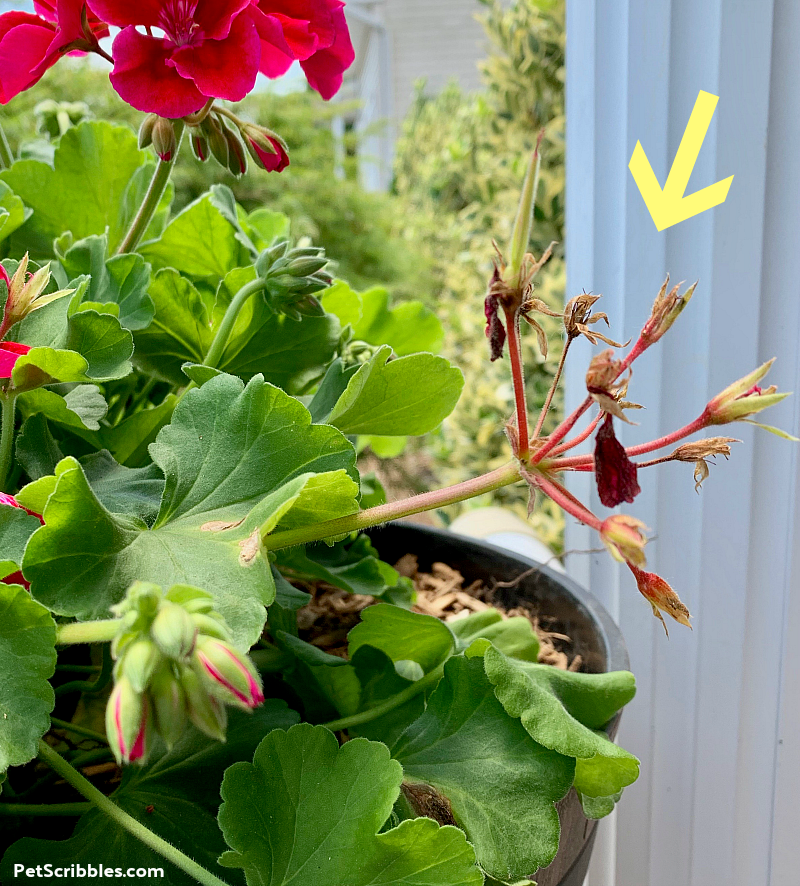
[313, 32]
[10, 352]
[30, 44]
[17, 578]
[209, 49]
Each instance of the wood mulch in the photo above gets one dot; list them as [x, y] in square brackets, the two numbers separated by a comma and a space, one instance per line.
[442, 593]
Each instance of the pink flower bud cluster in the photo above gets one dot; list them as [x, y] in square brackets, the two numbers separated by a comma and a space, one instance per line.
[175, 664]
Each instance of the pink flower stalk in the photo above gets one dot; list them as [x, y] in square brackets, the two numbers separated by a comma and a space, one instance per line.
[229, 672]
[10, 352]
[31, 44]
[313, 32]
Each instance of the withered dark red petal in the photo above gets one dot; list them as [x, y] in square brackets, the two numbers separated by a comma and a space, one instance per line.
[614, 471]
[495, 331]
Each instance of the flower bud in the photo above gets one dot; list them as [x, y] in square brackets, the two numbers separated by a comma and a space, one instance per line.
[306, 266]
[137, 663]
[169, 705]
[666, 310]
[661, 597]
[623, 537]
[237, 157]
[128, 725]
[266, 148]
[217, 142]
[146, 130]
[206, 712]
[164, 140]
[173, 631]
[230, 674]
[25, 296]
[200, 147]
[743, 398]
[211, 627]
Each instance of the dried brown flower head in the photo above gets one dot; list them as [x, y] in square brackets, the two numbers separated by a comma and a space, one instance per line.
[699, 450]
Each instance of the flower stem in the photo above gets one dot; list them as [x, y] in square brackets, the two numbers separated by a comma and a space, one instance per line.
[390, 704]
[562, 430]
[215, 352]
[518, 378]
[124, 820]
[6, 157]
[87, 632]
[152, 198]
[579, 438]
[427, 501]
[8, 404]
[552, 391]
[566, 500]
[78, 730]
[44, 809]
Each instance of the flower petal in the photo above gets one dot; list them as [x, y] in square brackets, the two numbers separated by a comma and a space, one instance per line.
[216, 17]
[10, 352]
[614, 471]
[223, 68]
[145, 80]
[123, 13]
[276, 56]
[24, 42]
[324, 70]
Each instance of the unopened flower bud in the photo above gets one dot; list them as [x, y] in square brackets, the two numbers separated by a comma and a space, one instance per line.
[666, 310]
[743, 398]
[216, 140]
[266, 148]
[164, 140]
[128, 723]
[169, 705]
[211, 627]
[306, 266]
[661, 597]
[173, 631]
[237, 157]
[230, 674]
[138, 662]
[146, 130]
[206, 712]
[200, 147]
[623, 537]
[25, 295]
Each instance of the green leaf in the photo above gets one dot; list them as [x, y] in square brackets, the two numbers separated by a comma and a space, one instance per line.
[82, 192]
[176, 795]
[122, 280]
[565, 711]
[330, 389]
[13, 212]
[307, 810]
[351, 565]
[264, 225]
[16, 527]
[501, 785]
[80, 408]
[199, 242]
[292, 354]
[180, 331]
[408, 396]
[27, 661]
[128, 441]
[407, 329]
[236, 460]
[513, 636]
[36, 449]
[403, 635]
[598, 807]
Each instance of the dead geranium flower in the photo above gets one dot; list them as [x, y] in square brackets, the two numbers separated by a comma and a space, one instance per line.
[699, 451]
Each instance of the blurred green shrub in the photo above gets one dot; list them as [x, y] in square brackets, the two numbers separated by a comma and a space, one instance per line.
[319, 191]
[460, 165]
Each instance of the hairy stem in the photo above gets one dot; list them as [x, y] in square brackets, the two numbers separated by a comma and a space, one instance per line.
[87, 632]
[579, 438]
[6, 157]
[427, 501]
[552, 391]
[561, 431]
[566, 500]
[152, 198]
[518, 378]
[430, 679]
[8, 405]
[44, 809]
[124, 820]
[217, 349]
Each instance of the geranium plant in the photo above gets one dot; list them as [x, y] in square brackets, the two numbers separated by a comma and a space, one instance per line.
[181, 397]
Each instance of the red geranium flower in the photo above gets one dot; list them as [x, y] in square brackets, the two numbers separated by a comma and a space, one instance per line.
[210, 49]
[17, 578]
[10, 352]
[30, 44]
[313, 32]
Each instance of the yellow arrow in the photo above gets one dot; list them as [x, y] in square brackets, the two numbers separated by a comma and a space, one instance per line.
[669, 206]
